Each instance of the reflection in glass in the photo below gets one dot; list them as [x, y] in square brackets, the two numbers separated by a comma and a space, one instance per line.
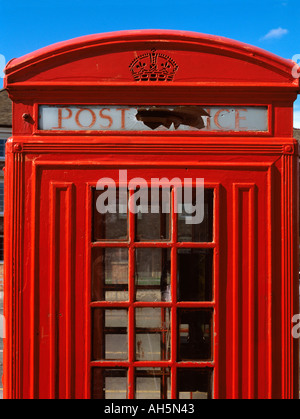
[152, 274]
[194, 383]
[152, 383]
[109, 226]
[195, 334]
[109, 274]
[154, 222]
[152, 334]
[109, 337]
[202, 232]
[195, 274]
[109, 383]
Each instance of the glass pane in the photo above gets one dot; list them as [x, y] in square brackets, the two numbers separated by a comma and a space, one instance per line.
[202, 232]
[109, 383]
[153, 67]
[152, 274]
[195, 334]
[152, 334]
[154, 222]
[195, 274]
[152, 383]
[109, 274]
[109, 226]
[109, 337]
[194, 383]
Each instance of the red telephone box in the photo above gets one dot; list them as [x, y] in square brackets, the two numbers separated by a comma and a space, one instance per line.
[144, 304]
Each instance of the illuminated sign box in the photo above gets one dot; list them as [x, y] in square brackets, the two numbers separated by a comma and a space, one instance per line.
[149, 118]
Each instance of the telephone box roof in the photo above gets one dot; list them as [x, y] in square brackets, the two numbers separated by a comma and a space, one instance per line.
[73, 49]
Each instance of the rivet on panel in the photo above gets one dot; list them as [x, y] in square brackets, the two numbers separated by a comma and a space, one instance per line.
[17, 147]
[288, 148]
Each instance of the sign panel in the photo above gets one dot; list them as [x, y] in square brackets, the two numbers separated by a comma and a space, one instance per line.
[152, 118]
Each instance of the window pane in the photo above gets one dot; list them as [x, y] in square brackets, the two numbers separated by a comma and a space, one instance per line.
[109, 337]
[109, 383]
[152, 274]
[195, 274]
[152, 334]
[202, 232]
[154, 224]
[194, 383]
[195, 334]
[110, 274]
[109, 226]
[152, 383]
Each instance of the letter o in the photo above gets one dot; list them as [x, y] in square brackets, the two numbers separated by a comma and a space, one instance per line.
[93, 118]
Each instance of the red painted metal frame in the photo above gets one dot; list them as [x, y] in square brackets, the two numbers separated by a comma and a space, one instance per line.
[48, 181]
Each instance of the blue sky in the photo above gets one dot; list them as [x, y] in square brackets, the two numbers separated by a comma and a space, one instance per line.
[32, 24]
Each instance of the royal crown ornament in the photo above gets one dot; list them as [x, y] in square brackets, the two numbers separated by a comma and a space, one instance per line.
[153, 66]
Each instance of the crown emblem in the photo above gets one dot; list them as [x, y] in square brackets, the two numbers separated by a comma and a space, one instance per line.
[153, 66]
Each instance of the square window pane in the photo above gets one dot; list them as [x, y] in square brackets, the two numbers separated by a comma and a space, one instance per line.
[202, 232]
[109, 334]
[194, 383]
[195, 274]
[152, 274]
[195, 334]
[109, 383]
[109, 274]
[152, 383]
[109, 226]
[154, 222]
[152, 334]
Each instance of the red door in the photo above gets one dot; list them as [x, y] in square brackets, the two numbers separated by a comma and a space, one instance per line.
[145, 305]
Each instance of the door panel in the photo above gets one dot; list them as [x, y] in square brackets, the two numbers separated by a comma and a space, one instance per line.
[141, 304]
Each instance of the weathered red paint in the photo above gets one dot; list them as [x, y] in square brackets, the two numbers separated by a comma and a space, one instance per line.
[47, 197]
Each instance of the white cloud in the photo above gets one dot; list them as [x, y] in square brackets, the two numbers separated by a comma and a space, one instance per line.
[275, 34]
